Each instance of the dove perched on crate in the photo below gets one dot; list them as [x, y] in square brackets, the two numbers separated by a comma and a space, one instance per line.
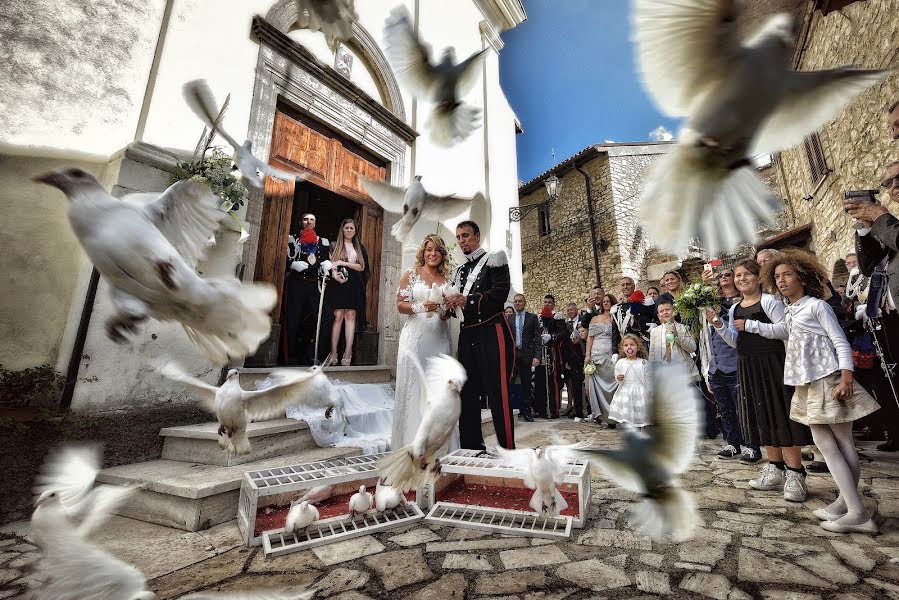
[413, 466]
[234, 406]
[387, 497]
[542, 469]
[315, 495]
[147, 247]
[360, 502]
[414, 203]
[443, 84]
[741, 99]
[300, 516]
[201, 101]
[334, 18]
[649, 464]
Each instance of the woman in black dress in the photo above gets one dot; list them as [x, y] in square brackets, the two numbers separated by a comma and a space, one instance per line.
[757, 329]
[346, 292]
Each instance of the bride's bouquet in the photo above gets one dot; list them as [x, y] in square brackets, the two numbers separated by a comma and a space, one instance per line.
[693, 301]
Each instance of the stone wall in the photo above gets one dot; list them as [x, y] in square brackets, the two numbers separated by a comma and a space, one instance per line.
[562, 262]
[857, 143]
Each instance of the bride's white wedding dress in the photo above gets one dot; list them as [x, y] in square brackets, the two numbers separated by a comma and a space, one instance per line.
[423, 335]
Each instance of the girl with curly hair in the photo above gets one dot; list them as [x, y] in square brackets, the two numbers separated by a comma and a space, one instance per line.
[819, 365]
[629, 405]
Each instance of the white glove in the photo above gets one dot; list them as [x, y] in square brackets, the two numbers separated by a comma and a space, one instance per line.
[299, 265]
[615, 357]
[326, 265]
[545, 337]
[860, 311]
[651, 326]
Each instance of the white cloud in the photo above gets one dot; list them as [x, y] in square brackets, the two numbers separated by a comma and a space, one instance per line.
[608, 141]
[661, 134]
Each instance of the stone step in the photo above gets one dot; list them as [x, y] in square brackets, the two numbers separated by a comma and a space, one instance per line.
[193, 496]
[360, 374]
[199, 443]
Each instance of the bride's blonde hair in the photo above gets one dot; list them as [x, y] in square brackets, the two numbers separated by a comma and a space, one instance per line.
[440, 246]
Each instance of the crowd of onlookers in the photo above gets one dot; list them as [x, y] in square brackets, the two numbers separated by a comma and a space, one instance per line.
[784, 361]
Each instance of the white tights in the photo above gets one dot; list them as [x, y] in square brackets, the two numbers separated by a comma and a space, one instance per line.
[836, 444]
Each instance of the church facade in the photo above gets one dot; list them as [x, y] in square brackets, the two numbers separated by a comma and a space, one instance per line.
[115, 109]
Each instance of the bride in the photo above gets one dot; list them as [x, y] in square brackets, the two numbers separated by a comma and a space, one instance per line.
[424, 334]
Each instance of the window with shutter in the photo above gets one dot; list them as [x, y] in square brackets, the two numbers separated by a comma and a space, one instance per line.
[543, 219]
[815, 154]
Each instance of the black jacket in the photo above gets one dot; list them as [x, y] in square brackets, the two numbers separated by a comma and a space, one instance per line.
[882, 241]
[573, 351]
[530, 336]
[487, 296]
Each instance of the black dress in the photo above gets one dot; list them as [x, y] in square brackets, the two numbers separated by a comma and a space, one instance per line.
[764, 399]
[350, 294]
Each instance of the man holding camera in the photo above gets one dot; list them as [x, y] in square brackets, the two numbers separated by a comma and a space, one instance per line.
[877, 246]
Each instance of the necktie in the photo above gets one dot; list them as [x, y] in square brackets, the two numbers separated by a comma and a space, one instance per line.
[519, 325]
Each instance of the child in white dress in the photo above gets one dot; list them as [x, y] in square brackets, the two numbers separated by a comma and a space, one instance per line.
[629, 405]
[819, 365]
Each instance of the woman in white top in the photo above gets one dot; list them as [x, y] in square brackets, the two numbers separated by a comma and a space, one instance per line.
[819, 364]
[424, 334]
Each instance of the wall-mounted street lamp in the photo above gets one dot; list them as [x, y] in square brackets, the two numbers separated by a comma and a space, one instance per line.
[553, 188]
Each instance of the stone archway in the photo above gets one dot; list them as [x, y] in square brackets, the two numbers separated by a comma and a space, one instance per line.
[283, 15]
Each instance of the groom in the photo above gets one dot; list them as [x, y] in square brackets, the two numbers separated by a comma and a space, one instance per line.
[486, 345]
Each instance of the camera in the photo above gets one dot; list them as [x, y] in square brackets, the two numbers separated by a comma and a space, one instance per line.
[861, 195]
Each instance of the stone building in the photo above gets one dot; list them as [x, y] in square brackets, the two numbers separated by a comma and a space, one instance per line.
[849, 152]
[97, 84]
[589, 234]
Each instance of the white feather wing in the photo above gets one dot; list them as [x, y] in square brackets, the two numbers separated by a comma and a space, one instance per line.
[390, 198]
[813, 99]
[682, 47]
[674, 413]
[205, 392]
[80, 570]
[409, 56]
[187, 214]
[441, 208]
[291, 387]
[70, 472]
[522, 459]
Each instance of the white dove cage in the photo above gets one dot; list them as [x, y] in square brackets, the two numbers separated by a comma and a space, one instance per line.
[466, 468]
[265, 498]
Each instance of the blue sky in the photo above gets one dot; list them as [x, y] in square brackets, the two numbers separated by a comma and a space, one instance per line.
[569, 74]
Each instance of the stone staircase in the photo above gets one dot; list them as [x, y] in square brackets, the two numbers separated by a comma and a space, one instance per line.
[196, 485]
[360, 374]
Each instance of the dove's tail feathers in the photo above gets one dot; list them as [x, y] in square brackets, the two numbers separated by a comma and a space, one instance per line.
[102, 502]
[240, 442]
[672, 515]
[235, 318]
[400, 469]
[401, 230]
[685, 199]
[449, 127]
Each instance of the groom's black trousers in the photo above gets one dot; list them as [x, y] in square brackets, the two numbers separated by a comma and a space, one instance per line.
[487, 351]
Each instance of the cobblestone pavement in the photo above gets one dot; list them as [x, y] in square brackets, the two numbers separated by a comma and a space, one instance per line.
[751, 545]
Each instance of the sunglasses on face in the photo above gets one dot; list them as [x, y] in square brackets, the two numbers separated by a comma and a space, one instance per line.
[890, 182]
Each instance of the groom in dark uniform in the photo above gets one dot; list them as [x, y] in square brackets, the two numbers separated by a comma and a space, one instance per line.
[486, 344]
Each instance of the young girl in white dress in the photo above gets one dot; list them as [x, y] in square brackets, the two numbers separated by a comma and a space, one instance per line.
[819, 365]
[629, 405]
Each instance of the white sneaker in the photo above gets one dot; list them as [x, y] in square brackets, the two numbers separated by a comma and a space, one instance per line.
[795, 489]
[771, 478]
